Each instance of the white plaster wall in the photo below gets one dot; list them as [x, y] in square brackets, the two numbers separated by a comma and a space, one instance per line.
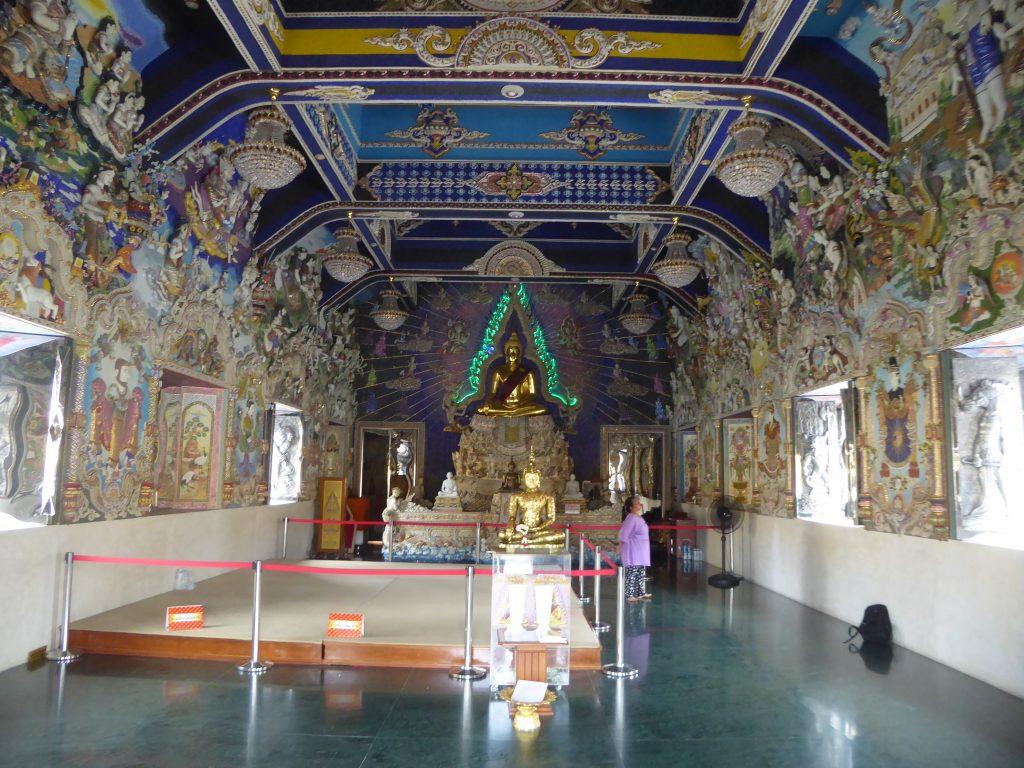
[957, 603]
[31, 563]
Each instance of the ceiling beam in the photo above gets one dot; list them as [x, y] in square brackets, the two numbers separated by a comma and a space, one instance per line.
[677, 297]
[237, 92]
[330, 213]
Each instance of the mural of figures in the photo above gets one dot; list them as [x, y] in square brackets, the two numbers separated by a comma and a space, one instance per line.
[897, 419]
[739, 460]
[119, 396]
[690, 468]
[773, 480]
[415, 373]
[142, 262]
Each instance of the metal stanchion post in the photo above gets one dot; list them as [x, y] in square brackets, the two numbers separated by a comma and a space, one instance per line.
[620, 668]
[467, 671]
[597, 625]
[390, 531]
[583, 559]
[254, 666]
[568, 545]
[284, 540]
[62, 655]
[477, 555]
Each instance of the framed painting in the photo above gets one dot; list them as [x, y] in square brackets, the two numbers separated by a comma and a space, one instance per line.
[738, 468]
[689, 468]
[331, 539]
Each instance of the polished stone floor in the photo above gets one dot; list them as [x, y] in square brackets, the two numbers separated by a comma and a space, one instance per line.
[743, 679]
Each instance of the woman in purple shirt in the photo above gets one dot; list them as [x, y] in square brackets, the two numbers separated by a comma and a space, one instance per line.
[634, 549]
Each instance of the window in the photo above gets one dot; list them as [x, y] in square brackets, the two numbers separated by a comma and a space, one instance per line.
[285, 455]
[826, 488]
[33, 393]
[987, 438]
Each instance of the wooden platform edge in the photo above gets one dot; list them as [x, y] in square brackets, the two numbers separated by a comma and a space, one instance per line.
[325, 653]
[184, 647]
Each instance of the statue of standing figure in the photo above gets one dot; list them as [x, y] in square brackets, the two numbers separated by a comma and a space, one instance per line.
[987, 450]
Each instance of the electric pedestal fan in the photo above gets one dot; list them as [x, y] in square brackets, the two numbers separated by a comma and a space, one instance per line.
[727, 521]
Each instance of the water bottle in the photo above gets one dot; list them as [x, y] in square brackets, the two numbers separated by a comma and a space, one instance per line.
[687, 551]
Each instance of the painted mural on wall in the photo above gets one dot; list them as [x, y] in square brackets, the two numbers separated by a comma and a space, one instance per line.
[419, 372]
[739, 461]
[147, 265]
[774, 483]
[893, 258]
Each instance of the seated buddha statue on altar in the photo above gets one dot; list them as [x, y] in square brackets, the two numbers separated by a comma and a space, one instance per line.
[513, 387]
[531, 515]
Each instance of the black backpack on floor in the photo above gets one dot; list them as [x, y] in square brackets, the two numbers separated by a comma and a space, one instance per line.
[875, 628]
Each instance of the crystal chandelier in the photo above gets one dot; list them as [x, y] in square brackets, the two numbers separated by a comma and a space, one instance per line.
[342, 258]
[753, 168]
[388, 315]
[677, 269]
[637, 319]
[263, 159]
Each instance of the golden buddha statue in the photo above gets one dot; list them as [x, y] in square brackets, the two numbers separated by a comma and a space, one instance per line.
[513, 389]
[531, 515]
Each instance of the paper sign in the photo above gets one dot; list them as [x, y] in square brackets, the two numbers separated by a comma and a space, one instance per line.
[345, 625]
[181, 617]
[573, 507]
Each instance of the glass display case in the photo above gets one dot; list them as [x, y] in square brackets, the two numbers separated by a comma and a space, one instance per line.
[530, 603]
[986, 414]
[823, 447]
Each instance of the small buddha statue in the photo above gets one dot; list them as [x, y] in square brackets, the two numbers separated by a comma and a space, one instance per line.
[448, 487]
[510, 479]
[572, 488]
[513, 388]
[531, 515]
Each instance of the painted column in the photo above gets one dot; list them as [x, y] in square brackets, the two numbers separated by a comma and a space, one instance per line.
[864, 440]
[228, 457]
[788, 446]
[755, 493]
[935, 435]
[75, 446]
[147, 456]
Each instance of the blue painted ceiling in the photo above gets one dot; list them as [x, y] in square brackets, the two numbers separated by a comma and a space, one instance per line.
[515, 132]
[435, 166]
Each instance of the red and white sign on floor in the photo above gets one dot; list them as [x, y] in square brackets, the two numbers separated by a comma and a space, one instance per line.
[184, 617]
[345, 625]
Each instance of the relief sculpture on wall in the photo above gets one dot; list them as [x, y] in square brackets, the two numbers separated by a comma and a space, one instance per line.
[989, 428]
[821, 479]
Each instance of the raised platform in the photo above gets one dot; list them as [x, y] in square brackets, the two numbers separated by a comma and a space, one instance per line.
[409, 621]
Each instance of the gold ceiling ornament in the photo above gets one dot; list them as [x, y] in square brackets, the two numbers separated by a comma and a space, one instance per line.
[336, 93]
[263, 159]
[512, 43]
[677, 96]
[753, 168]
[678, 269]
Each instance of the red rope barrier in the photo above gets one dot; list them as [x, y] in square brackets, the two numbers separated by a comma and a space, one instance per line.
[452, 524]
[354, 523]
[165, 563]
[367, 571]
[291, 568]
